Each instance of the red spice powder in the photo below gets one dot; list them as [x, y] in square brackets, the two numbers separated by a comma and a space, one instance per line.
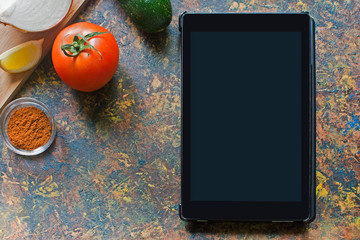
[29, 128]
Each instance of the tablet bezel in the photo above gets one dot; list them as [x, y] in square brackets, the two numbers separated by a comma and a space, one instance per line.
[251, 211]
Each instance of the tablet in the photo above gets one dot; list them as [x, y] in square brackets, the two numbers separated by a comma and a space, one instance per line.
[248, 117]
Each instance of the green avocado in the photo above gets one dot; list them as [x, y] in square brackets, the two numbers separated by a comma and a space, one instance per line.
[149, 15]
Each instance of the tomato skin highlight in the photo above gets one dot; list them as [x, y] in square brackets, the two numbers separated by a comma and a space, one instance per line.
[86, 72]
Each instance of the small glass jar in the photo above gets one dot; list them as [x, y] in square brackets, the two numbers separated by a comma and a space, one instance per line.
[5, 117]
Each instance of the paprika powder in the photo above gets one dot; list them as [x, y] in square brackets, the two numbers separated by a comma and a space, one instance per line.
[29, 128]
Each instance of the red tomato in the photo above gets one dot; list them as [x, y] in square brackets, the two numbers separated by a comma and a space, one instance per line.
[88, 71]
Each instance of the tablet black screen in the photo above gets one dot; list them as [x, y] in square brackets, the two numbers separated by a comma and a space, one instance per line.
[245, 90]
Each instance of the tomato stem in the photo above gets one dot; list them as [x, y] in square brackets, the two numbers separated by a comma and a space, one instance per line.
[78, 44]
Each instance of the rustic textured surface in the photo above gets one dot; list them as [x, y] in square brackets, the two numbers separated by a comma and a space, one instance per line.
[113, 171]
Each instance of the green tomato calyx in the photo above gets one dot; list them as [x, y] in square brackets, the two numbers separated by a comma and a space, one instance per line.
[78, 44]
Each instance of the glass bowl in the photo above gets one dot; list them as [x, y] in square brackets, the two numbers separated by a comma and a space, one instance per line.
[5, 117]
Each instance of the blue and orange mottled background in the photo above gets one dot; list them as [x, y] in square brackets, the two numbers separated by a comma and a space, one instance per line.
[113, 171]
